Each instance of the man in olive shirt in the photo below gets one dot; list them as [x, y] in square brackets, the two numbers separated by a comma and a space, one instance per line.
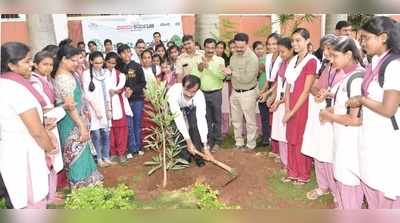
[210, 69]
[185, 61]
[243, 68]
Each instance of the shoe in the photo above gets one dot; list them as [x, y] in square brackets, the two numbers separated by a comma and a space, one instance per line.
[129, 156]
[199, 161]
[140, 153]
[316, 193]
[265, 143]
[248, 149]
[114, 158]
[101, 163]
[272, 155]
[109, 162]
[215, 148]
[122, 159]
[239, 147]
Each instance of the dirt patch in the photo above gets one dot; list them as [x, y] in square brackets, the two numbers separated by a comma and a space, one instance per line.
[250, 190]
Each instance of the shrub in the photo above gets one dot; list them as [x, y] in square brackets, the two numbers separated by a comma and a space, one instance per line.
[207, 198]
[2, 203]
[99, 197]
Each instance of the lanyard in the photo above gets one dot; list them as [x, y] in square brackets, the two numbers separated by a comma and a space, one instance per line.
[331, 80]
[297, 60]
[271, 66]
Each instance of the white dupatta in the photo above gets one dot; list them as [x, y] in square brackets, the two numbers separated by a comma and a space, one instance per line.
[293, 71]
[272, 70]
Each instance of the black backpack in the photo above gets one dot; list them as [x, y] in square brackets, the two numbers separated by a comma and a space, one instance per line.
[348, 88]
[381, 80]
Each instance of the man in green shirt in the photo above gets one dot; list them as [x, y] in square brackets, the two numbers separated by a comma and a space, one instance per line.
[210, 69]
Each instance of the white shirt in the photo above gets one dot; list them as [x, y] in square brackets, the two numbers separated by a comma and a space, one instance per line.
[135, 57]
[115, 102]
[97, 99]
[177, 101]
[149, 75]
[271, 69]
[379, 143]
[55, 112]
[18, 148]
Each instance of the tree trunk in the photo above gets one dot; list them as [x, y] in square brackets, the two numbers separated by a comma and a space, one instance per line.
[207, 26]
[41, 31]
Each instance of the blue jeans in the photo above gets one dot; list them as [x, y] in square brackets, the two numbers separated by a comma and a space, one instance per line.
[101, 142]
[135, 126]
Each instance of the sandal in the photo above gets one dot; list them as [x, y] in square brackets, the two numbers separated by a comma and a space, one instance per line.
[300, 182]
[315, 194]
[287, 179]
[272, 155]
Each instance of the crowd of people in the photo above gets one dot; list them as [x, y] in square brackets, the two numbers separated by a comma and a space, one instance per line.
[65, 112]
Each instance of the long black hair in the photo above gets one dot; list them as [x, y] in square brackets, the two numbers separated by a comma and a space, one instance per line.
[303, 32]
[286, 42]
[64, 52]
[12, 52]
[345, 44]
[381, 24]
[93, 56]
[273, 35]
[112, 55]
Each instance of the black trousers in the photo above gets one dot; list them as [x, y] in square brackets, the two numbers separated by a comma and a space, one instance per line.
[214, 116]
[4, 193]
[190, 114]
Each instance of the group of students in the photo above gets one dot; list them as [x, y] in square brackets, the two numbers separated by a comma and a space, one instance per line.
[338, 113]
[71, 112]
[336, 109]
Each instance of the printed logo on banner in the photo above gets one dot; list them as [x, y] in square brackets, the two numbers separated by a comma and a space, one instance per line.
[121, 29]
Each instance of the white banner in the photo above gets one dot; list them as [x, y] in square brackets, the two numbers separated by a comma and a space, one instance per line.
[127, 29]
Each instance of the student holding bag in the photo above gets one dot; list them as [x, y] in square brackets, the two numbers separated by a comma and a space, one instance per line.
[347, 60]
[380, 136]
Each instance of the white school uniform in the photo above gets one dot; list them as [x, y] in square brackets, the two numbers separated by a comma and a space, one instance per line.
[271, 69]
[18, 148]
[54, 112]
[318, 137]
[346, 138]
[115, 102]
[149, 75]
[278, 129]
[98, 98]
[379, 148]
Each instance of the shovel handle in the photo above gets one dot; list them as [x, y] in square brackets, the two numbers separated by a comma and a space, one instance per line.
[216, 162]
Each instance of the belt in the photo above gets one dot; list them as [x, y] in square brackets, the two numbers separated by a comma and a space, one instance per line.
[210, 92]
[241, 91]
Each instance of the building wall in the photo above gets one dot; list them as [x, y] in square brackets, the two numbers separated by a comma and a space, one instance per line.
[256, 26]
[14, 31]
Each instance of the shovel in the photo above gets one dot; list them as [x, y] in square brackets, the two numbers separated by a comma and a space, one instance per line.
[232, 172]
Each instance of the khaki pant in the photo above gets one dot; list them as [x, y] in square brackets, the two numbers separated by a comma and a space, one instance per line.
[244, 104]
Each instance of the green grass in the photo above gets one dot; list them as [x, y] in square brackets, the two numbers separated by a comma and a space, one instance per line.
[229, 142]
[172, 200]
[2, 203]
[294, 193]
